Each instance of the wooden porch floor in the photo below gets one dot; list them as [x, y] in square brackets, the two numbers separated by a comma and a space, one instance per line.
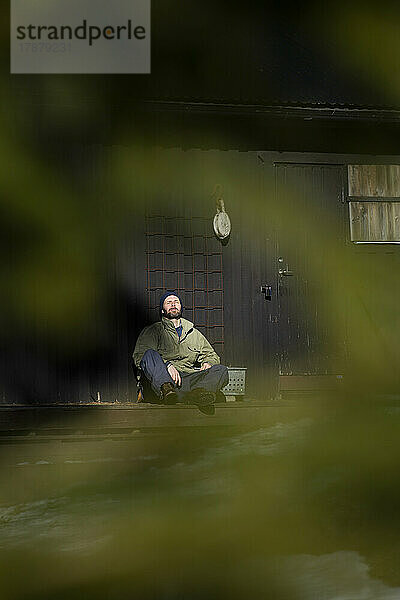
[88, 421]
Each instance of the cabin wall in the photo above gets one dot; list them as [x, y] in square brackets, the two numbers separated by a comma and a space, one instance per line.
[35, 367]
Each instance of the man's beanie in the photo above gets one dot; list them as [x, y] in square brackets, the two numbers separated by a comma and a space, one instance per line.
[166, 296]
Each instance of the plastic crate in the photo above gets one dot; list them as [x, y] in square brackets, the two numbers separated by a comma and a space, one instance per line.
[237, 382]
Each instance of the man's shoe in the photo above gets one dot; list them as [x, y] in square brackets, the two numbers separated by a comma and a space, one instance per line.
[203, 399]
[168, 393]
[220, 397]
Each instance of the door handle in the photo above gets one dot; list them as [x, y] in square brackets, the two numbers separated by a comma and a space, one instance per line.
[267, 291]
[284, 271]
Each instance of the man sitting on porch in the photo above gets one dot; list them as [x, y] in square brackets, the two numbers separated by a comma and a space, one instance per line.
[179, 362]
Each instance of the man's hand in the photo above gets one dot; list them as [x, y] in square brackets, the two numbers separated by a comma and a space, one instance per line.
[175, 375]
[205, 366]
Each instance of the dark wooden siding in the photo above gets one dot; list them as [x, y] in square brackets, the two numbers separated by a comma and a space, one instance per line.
[88, 358]
[250, 320]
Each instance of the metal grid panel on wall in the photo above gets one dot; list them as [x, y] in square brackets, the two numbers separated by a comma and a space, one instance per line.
[184, 255]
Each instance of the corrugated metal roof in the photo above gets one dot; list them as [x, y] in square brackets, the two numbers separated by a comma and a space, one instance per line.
[300, 110]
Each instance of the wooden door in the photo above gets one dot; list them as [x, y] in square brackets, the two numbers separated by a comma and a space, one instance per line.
[311, 231]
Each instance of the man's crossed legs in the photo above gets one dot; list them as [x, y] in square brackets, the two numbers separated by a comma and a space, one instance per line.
[195, 387]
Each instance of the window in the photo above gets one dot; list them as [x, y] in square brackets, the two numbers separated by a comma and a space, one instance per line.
[184, 255]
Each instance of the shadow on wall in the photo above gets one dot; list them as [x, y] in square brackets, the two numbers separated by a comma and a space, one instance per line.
[39, 370]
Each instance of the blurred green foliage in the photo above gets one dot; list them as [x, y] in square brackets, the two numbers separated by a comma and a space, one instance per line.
[204, 515]
[203, 519]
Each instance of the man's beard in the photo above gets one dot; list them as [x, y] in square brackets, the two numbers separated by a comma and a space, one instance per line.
[173, 315]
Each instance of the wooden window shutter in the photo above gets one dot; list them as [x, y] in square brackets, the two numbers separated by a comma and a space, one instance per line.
[374, 203]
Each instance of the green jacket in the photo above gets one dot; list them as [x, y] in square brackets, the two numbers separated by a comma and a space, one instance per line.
[182, 353]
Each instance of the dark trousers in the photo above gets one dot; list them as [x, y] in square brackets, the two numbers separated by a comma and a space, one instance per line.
[153, 367]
